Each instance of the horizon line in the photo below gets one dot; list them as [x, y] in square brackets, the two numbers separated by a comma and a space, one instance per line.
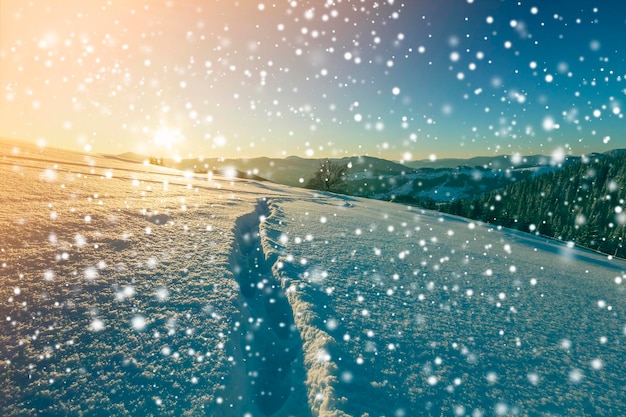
[433, 158]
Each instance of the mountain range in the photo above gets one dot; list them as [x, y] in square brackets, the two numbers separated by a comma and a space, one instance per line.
[439, 180]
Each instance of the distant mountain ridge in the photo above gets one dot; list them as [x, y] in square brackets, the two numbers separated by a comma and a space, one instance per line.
[504, 161]
[441, 180]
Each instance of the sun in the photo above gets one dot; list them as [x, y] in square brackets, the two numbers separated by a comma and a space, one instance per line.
[167, 138]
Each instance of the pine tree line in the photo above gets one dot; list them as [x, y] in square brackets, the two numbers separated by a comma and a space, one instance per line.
[583, 203]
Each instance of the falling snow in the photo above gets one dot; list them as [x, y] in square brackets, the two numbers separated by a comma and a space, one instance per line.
[131, 288]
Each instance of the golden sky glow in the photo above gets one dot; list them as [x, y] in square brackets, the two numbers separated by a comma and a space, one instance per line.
[238, 79]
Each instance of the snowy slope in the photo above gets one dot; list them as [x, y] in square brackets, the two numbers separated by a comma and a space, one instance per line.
[138, 290]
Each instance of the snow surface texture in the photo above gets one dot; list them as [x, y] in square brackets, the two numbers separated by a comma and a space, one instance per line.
[137, 290]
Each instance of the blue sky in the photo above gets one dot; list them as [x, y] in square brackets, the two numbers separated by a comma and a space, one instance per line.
[401, 80]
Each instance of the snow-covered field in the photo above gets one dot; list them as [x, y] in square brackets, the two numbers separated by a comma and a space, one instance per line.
[129, 289]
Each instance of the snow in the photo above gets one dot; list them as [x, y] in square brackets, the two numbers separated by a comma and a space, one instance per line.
[131, 289]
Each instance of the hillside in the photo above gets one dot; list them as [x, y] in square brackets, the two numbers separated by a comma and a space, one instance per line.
[582, 203]
[130, 289]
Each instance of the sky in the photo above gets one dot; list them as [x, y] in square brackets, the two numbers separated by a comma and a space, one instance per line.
[402, 80]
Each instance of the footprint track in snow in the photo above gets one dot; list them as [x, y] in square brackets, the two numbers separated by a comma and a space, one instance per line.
[270, 341]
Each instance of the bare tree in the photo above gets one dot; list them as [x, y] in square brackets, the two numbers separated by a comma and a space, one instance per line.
[329, 175]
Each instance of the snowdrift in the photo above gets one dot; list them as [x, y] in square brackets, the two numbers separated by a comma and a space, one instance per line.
[129, 289]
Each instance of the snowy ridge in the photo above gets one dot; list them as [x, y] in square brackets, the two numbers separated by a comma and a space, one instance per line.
[321, 372]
